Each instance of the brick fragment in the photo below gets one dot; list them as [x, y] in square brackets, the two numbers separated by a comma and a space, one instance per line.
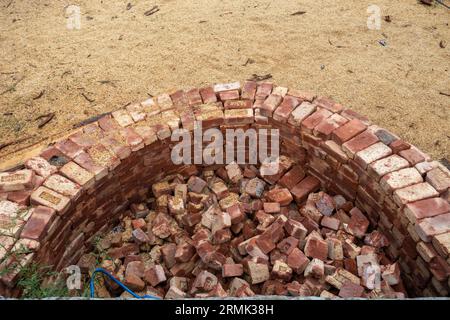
[351, 290]
[232, 270]
[316, 248]
[258, 272]
[358, 224]
[281, 196]
[155, 275]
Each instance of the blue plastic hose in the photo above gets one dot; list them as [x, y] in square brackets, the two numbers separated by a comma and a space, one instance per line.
[101, 270]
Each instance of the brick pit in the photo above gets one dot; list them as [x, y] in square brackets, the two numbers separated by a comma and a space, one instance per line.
[57, 202]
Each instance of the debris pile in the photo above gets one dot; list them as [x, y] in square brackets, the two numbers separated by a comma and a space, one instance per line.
[231, 231]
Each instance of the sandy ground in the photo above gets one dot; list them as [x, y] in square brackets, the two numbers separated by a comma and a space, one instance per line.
[121, 55]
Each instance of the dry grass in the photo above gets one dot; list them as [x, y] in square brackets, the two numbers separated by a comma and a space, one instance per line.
[121, 55]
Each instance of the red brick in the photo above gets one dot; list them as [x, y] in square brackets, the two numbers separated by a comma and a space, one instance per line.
[292, 177]
[359, 142]
[122, 117]
[328, 104]
[314, 119]
[287, 245]
[399, 145]
[282, 196]
[327, 126]
[348, 131]
[77, 174]
[370, 154]
[400, 179]
[63, 186]
[351, 290]
[38, 223]
[270, 104]
[49, 198]
[237, 104]
[208, 95]
[413, 193]
[155, 275]
[263, 90]
[232, 270]
[283, 112]
[297, 261]
[229, 95]
[429, 227]
[16, 181]
[249, 90]
[40, 166]
[316, 248]
[412, 155]
[439, 179]
[295, 229]
[358, 223]
[271, 207]
[304, 188]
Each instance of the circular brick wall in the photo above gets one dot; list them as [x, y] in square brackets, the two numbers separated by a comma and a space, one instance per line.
[55, 203]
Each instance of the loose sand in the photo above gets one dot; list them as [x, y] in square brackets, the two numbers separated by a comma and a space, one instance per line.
[120, 56]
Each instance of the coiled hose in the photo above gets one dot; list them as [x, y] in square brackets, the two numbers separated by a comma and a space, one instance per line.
[101, 270]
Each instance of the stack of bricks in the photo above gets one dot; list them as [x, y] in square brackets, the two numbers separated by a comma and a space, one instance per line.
[55, 203]
[243, 234]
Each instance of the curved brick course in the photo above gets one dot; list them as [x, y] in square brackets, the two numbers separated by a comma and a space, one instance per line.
[58, 201]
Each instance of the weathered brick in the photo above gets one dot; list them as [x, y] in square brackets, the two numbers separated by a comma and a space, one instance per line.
[439, 179]
[348, 131]
[400, 179]
[284, 110]
[370, 154]
[384, 166]
[122, 117]
[208, 95]
[429, 227]
[270, 104]
[63, 186]
[249, 90]
[359, 143]
[314, 119]
[38, 223]
[414, 193]
[281, 195]
[304, 110]
[292, 177]
[232, 270]
[77, 174]
[304, 188]
[412, 155]
[40, 166]
[49, 198]
[328, 104]
[327, 126]
[16, 181]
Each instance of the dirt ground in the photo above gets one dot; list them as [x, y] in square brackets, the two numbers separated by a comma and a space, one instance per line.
[121, 55]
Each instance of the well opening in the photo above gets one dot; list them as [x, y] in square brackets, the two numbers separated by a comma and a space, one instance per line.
[60, 201]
